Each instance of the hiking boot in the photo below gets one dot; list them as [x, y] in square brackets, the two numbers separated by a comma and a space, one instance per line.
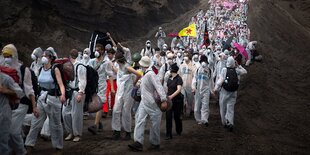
[100, 127]
[93, 129]
[29, 150]
[127, 136]
[116, 135]
[136, 146]
[154, 147]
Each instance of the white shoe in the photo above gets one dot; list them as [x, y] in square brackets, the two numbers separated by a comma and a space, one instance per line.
[69, 137]
[76, 139]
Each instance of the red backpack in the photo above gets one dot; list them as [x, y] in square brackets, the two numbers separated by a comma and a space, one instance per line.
[10, 72]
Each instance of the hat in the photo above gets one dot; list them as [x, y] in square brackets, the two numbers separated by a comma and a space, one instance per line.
[136, 57]
[145, 61]
[203, 58]
[148, 41]
[107, 47]
[9, 50]
[226, 52]
[38, 52]
[174, 68]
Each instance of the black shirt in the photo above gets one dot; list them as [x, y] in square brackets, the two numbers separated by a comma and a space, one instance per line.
[172, 85]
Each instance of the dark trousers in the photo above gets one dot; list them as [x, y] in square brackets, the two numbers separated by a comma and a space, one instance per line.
[175, 111]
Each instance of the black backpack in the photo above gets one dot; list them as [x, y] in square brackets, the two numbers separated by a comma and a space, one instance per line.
[35, 87]
[91, 82]
[231, 82]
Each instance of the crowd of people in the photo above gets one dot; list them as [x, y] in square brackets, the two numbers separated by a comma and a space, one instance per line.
[177, 80]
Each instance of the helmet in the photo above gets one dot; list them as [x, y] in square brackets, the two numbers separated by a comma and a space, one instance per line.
[136, 57]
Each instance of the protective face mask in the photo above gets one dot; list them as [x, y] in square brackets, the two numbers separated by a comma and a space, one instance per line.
[97, 54]
[203, 65]
[179, 54]
[148, 45]
[85, 56]
[8, 60]
[33, 57]
[186, 58]
[44, 60]
[164, 48]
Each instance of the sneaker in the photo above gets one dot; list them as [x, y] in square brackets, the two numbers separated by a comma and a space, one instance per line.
[136, 146]
[45, 137]
[116, 135]
[100, 127]
[127, 136]
[206, 124]
[154, 147]
[29, 150]
[69, 137]
[93, 129]
[76, 139]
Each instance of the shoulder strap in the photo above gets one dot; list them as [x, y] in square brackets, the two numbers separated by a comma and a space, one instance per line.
[22, 71]
[166, 67]
[99, 64]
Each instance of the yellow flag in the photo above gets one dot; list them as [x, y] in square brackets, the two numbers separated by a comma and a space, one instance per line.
[188, 31]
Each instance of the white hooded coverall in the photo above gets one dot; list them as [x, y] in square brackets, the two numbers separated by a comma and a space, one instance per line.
[148, 107]
[228, 99]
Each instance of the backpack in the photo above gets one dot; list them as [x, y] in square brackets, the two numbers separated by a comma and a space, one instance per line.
[146, 49]
[91, 83]
[10, 72]
[231, 82]
[35, 86]
[67, 74]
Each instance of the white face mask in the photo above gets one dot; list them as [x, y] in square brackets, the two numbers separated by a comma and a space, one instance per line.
[179, 54]
[195, 58]
[164, 48]
[186, 58]
[8, 60]
[33, 57]
[97, 54]
[203, 65]
[148, 45]
[85, 56]
[44, 60]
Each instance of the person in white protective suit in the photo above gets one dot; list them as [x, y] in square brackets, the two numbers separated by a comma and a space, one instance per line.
[36, 56]
[45, 131]
[195, 60]
[86, 56]
[72, 111]
[186, 71]
[49, 104]
[121, 116]
[8, 88]
[157, 60]
[202, 86]
[148, 50]
[104, 69]
[148, 107]
[221, 63]
[179, 54]
[160, 35]
[228, 98]
[164, 71]
[16, 142]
